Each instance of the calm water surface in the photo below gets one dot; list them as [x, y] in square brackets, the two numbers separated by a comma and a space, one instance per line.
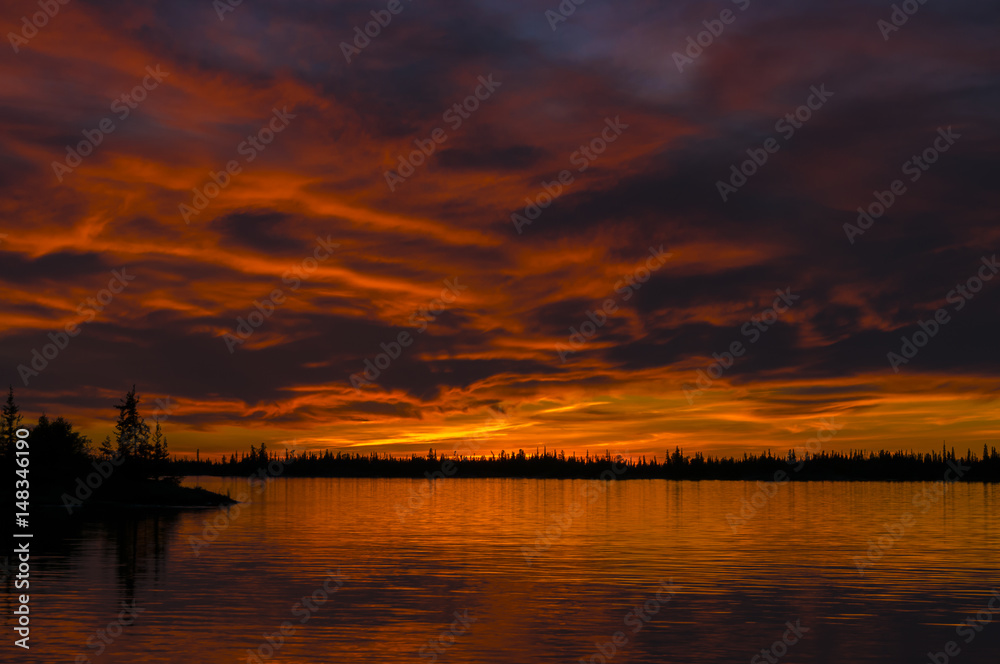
[405, 575]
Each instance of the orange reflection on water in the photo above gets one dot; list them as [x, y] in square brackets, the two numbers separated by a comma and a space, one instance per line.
[597, 551]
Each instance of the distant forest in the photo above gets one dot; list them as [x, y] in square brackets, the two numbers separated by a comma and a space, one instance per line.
[853, 465]
[60, 455]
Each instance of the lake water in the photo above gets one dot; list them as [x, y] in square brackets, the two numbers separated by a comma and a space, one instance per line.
[647, 571]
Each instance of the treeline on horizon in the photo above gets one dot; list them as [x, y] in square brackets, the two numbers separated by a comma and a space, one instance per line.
[61, 455]
[853, 465]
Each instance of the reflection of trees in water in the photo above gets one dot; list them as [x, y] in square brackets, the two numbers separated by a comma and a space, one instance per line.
[140, 544]
[139, 541]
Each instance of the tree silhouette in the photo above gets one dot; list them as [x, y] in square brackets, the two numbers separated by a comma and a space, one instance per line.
[10, 422]
[131, 431]
[160, 454]
[67, 452]
[107, 448]
[57, 440]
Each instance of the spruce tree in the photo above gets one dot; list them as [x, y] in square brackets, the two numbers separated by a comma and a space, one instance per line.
[10, 422]
[107, 447]
[131, 431]
[160, 454]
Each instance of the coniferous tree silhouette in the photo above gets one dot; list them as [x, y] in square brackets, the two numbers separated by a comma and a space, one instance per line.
[161, 455]
[132, 437]
[10, 422]
[67, 452]
[131, 431]
[107, 448]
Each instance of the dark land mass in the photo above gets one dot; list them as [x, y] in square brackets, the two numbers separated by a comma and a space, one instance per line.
[51, 464]
[823, 466]
[124, 493]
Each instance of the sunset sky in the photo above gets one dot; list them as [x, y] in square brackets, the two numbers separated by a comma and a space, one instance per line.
[318, 212]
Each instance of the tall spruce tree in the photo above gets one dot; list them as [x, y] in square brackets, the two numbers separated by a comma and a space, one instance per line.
[131, 431]
[10, 422]
[160, 453]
